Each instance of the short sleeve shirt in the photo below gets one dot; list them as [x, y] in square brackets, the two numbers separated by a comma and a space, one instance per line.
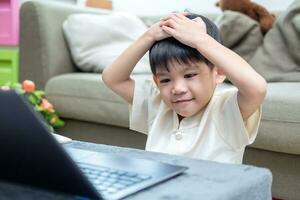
[218, 133]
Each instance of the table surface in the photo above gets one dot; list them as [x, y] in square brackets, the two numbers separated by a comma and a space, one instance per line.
[203, 179]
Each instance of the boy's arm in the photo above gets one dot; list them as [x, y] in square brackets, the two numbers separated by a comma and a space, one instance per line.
[117, 75]
[251, 86]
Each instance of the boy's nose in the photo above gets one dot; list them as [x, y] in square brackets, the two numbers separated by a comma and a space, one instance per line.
[179, 88]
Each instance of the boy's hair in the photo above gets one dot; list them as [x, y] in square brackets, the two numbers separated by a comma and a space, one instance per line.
[165, 51]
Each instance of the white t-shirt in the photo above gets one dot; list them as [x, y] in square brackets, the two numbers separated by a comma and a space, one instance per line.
[218, 133]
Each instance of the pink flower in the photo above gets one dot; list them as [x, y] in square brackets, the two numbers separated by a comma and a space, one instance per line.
[28, 86]
[46, 105]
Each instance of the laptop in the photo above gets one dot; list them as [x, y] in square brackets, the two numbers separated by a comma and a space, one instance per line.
[31, 156]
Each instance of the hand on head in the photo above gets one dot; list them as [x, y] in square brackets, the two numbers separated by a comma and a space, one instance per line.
[157, 33]
[183, 29]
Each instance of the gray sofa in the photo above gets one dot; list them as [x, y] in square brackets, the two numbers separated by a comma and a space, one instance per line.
[94, 113]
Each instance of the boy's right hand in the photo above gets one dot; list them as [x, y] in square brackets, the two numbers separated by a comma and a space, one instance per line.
[156, 33]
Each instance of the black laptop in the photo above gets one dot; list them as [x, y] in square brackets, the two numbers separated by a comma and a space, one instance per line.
[30, 155]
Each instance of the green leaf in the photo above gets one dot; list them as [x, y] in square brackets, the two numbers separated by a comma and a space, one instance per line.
[37, 96]
[16, 86]
[38, 108]
[58, 123]
[39, 93]
[49, 116]
[33, 99]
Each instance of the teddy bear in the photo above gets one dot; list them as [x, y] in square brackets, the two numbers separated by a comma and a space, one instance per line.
[251, 9]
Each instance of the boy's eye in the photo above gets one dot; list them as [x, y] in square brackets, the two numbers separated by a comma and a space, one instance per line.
[189, 75]
[166, 80]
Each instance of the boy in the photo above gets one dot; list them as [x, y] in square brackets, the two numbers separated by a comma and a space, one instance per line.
[183, 113]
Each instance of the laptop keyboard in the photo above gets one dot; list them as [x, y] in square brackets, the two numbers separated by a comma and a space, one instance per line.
[109, 181]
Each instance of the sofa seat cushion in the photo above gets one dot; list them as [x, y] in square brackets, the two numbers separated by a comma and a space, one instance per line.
[83, 96]
[280, 126]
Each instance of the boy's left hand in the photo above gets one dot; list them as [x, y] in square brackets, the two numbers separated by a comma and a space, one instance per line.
[187, 31]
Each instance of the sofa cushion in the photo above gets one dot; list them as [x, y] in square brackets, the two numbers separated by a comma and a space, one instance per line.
[95, 41]
[278, 58]
[247, 35]
[84, 96]
[280, 125]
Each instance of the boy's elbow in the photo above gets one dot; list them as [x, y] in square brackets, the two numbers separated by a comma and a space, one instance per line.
[105, 77]
[262, 88]
[108, 79]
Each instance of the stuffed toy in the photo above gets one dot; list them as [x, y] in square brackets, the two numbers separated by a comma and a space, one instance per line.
[251, 9]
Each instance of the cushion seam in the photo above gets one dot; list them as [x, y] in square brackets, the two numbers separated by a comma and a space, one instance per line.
[279, 120]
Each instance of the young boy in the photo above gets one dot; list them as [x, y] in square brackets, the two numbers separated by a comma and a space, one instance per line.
[182, 111]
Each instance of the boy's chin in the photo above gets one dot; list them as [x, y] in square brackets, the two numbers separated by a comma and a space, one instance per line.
[184, 115]
[190, 112]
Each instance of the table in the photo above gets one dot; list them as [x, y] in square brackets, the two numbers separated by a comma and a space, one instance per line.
[203, 179]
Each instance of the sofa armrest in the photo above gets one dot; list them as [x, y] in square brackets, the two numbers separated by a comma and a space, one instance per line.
[43, 50]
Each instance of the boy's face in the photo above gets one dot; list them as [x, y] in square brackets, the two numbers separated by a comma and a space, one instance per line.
[187, 89]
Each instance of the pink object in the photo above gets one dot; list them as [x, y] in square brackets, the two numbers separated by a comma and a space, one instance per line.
[9, 22]
[28, 86]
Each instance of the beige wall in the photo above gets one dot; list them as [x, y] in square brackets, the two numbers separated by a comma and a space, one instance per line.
[161, 7]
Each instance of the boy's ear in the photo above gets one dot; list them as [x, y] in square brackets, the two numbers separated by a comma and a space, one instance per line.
[155, 79]
[220, 75]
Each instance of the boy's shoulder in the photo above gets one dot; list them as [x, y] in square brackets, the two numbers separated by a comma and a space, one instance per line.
[224, 95]
[224, 90]
[147, 86]
[146, 91]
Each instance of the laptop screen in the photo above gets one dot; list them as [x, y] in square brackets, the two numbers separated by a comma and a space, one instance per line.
[31, 156]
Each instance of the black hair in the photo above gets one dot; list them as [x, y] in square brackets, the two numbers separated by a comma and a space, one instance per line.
[165, 51]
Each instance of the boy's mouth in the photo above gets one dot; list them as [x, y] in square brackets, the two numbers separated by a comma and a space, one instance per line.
[177, 101]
